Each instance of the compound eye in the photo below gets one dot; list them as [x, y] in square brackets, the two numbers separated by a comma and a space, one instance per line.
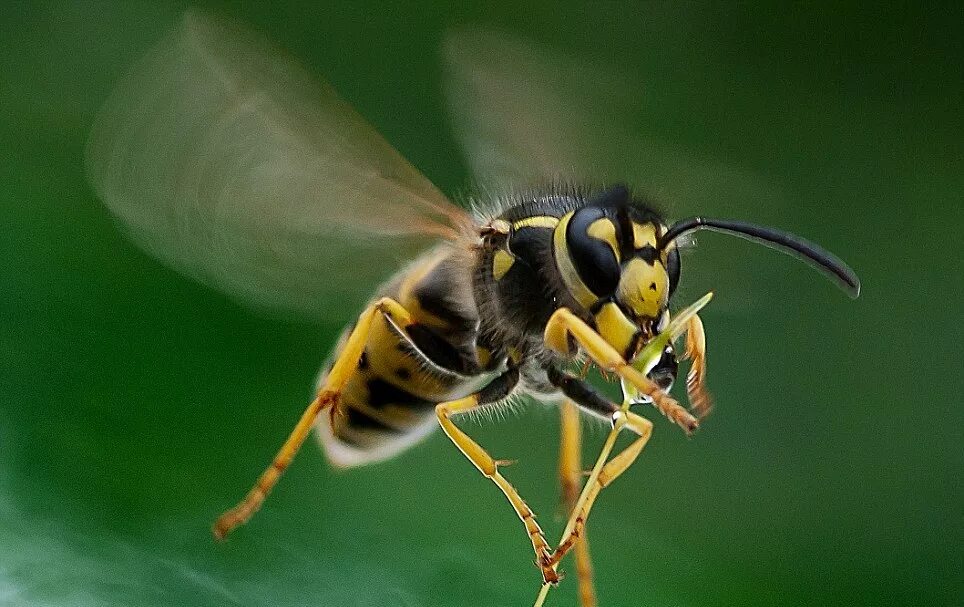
[673, 269]
[593, 245]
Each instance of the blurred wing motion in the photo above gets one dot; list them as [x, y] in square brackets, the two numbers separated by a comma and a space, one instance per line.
[526, 113]
[224, 158]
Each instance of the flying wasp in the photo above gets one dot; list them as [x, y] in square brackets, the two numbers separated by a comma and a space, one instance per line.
[224, 158]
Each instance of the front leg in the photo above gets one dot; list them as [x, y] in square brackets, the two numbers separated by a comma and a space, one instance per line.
[696, 391]
[563, 324]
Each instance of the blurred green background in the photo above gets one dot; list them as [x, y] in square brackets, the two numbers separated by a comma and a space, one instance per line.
[135, 404]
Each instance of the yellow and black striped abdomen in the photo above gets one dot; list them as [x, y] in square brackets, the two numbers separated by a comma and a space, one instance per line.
[389, 402]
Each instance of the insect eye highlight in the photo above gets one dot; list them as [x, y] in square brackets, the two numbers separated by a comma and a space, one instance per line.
[591, 239]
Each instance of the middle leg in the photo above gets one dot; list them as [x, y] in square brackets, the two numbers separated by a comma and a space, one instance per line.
[603, 472]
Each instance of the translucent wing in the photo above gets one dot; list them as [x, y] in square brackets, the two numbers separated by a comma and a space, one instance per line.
[524, 113]
[224, 158]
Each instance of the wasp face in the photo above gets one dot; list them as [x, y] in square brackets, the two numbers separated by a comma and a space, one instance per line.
[609, 257]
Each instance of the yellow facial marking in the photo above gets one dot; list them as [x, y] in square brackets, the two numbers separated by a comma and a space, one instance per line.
[615, 328]
[501, 264]
[603, 229]
[643, 234]
[664, 253]
[539, 221]
[643, 288]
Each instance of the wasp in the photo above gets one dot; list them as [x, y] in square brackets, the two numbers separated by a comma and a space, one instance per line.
[223, 157]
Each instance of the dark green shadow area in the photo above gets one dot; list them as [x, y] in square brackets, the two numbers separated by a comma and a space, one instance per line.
[135, 404]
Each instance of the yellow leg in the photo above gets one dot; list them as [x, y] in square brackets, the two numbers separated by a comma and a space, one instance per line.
[700, 400]
[603, 473]
[570, 474]
[328, 395]
[563, 324]
[489, 467]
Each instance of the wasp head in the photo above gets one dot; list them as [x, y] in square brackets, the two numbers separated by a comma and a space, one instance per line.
[619, 261]
[609, 256]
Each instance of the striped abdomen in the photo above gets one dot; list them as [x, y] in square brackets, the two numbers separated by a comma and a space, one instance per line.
[388, 404]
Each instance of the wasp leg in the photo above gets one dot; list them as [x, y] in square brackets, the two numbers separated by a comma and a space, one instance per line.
[699, 397]
[603, 473]
[489, 467]
[327, 396]
[563, 324]
[603, 476]
[570, 474]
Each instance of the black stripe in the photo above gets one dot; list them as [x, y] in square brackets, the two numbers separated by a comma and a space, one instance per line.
[432, 294]
[439, 350]
[530, 244]
[362, 420]
[381, 393]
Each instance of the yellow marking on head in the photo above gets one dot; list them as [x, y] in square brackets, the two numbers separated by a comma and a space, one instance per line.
[570, 276]
[615, 328]
[603, 229]
[536, 221]
[501, 263]
[664, 252]
[643, 234]
[643, 288]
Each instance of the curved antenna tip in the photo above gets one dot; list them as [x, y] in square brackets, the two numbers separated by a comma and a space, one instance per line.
[821, 259]
[853, 290]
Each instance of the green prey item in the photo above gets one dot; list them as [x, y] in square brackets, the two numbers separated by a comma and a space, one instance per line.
[653, 351]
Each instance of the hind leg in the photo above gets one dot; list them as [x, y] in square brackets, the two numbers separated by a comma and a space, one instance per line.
[327, 396]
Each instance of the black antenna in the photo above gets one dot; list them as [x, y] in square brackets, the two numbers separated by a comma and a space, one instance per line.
[802, 249]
